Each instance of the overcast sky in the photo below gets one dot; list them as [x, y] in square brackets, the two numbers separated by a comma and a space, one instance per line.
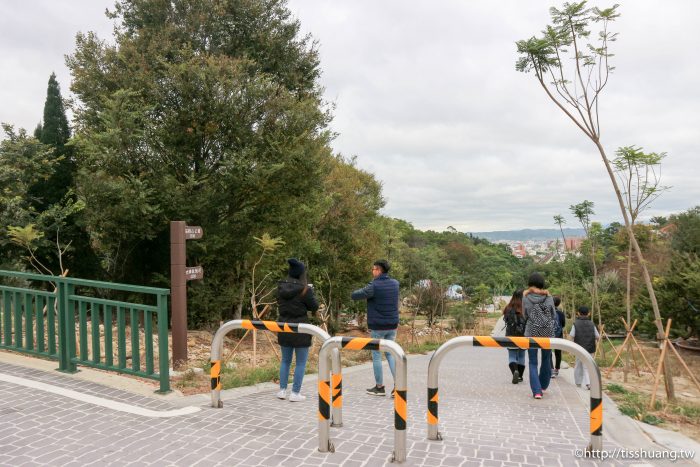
[427, 97]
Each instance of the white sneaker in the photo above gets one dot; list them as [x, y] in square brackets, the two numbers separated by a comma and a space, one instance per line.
[282, 394]
[296, 397]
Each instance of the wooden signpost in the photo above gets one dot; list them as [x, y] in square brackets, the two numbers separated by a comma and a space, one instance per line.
[180, 273]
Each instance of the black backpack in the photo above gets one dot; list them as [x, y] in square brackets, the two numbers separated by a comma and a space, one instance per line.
[515, 323]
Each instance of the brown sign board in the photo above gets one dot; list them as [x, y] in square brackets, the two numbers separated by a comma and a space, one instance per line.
[194, 273]
[193, 232]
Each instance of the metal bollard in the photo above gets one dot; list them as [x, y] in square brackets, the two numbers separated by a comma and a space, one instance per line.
[324, 389]
[596, 414]
[273, 326]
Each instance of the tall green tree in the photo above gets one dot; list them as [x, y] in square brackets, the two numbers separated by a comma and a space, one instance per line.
[54, 131]
[206, 111]
[583, 212]
[24, 161]
[572, 65]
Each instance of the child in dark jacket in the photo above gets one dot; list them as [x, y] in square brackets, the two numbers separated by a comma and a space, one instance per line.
[586, 335]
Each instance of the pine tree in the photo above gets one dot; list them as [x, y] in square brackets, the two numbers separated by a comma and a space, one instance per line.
[55, 132]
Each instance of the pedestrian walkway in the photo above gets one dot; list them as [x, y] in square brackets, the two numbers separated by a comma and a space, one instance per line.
[484, 419]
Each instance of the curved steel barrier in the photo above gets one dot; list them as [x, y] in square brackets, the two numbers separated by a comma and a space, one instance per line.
[324, 389]
[596, 415]
[273, 326]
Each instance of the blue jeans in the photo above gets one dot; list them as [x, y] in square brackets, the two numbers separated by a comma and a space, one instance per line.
[389, 335]
[516, 356]
[541, 381]
[285, 365]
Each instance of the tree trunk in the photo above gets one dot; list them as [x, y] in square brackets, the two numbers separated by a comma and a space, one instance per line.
[628, 305]
[239, 308]
[670, 392]
[596, 301]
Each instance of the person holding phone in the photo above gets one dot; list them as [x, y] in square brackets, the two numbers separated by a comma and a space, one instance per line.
[295, 298]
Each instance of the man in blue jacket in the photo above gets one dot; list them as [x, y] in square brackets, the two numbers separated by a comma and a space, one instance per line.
[382, 295]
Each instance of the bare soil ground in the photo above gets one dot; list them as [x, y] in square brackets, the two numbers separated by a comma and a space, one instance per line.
[683, 414]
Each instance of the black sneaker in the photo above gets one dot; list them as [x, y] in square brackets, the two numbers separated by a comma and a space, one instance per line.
[393, 393]
[376, 391]
[516, 377]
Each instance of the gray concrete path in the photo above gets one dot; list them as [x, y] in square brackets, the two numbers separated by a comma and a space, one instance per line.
[485, 420]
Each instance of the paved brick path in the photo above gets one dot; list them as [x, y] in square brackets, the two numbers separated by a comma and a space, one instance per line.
[485, 420]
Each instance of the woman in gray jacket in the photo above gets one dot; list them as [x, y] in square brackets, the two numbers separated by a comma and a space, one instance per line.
[540, 313]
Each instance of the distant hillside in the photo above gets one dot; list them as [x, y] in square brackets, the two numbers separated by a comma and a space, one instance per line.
[528, 234]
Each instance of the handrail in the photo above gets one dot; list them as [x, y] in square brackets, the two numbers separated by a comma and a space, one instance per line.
[273, 326]
[62, 313]
[596, 414]
[85, 282]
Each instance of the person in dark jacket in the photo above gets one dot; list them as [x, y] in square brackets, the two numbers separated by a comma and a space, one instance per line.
[515, 327]
[558, 332]
[295, 298]
[586, 335]
[538, 306]
[382, 295]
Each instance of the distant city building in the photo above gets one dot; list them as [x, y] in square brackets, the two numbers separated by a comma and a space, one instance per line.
[519, 250]
[543, 250]
[573, 243]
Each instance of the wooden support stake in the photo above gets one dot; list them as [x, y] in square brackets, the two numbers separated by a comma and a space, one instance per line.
[657, 378]
[641, 351]
[622, 347]
[690, 373]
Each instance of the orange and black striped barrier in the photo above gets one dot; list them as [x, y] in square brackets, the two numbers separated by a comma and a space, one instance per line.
[273, 326]
[324, 389]
[596, 414]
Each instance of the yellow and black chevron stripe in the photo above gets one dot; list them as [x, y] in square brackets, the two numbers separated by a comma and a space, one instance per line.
[216, 375]
[513, 342]
[270, 326]
[596, 416]
[324, 402]
[433, 406]
[400, 409]
[337, 381]
[360, 343]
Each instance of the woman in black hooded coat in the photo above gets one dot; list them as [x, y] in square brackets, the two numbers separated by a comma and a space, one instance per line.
[295, 298]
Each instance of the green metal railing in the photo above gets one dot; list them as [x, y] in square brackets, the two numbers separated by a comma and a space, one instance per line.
[70, 323]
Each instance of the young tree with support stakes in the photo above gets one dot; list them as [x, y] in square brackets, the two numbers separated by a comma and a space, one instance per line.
[573, 67]
[583, 212]
[640, 177]
[559, 220]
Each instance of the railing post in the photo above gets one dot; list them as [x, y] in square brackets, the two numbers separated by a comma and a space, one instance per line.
[163, 360]
[64, 324]
[336, 389]
[324, 389]
[324, 397]
[70, 326]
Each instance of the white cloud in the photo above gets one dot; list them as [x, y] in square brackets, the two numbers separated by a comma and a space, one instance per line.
[428, 98]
